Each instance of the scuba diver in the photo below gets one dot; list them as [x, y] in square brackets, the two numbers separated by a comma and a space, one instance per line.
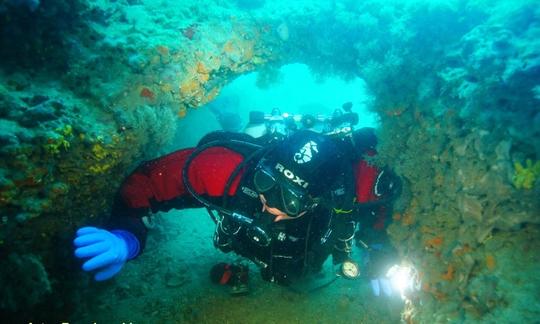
[286, 206]
[342, 120]
[225, 109]
[270, 128]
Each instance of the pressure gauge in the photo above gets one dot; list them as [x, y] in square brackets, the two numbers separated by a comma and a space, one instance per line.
[350, 269]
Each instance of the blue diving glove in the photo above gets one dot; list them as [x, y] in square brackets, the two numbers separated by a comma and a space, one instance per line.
[106, 251]
[381, 283]
[380, 258]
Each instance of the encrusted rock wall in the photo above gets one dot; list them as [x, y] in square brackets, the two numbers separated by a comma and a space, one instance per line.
[463, 143]
[460, 122]
[77, 117]
[456, 88]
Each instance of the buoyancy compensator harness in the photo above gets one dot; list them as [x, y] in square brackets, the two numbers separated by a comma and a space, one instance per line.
[252, 152]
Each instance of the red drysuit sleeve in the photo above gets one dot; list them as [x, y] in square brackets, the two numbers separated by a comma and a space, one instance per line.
[161, 179]
[158, 185]
[366, 178]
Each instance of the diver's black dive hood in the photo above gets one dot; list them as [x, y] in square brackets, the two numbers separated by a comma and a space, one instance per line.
[306, 160]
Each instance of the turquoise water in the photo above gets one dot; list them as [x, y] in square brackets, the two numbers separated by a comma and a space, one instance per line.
[295, 91]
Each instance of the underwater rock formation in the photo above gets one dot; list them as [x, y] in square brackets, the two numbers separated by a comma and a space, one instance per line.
[25, 282]
[76, 118]
[452, 131]
[91, 89]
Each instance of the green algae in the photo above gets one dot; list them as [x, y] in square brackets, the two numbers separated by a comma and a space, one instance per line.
[525, 176]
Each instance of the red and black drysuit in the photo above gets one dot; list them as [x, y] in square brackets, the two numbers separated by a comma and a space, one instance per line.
[297, 246]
